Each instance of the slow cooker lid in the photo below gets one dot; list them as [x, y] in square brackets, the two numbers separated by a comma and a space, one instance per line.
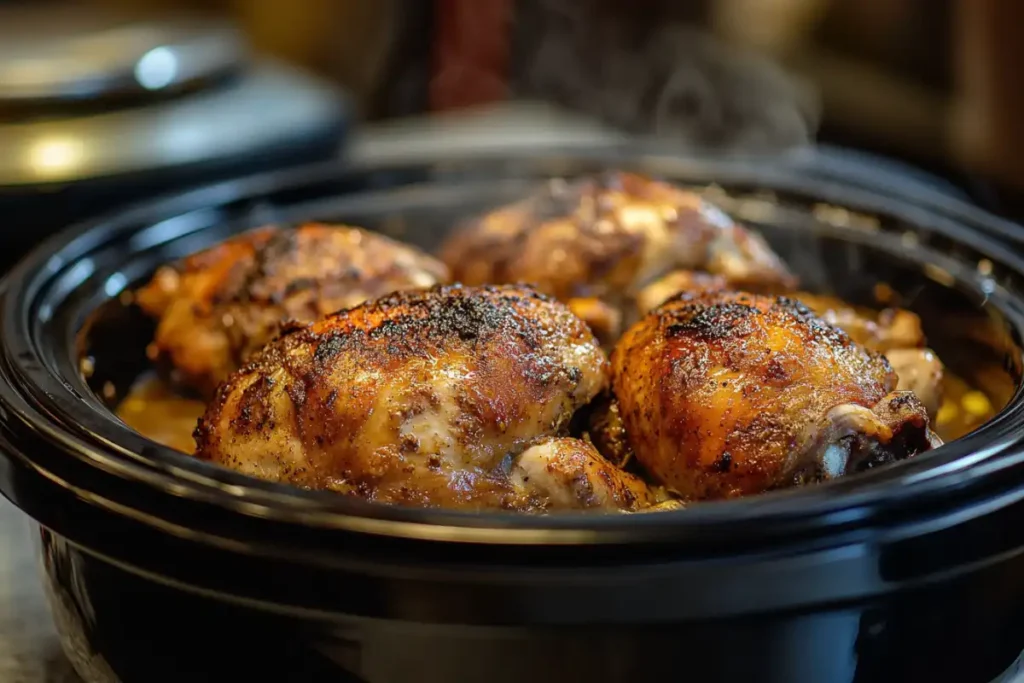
[62, 54]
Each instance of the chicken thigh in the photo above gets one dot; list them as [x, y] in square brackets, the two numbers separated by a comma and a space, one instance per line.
[721, 394]
[218, 306]
[895, 332]
[594, 243]
[442, 397]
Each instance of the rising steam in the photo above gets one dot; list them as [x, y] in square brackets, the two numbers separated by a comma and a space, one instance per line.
[661, 79]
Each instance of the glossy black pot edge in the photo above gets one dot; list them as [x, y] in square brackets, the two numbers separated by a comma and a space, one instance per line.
[843, 498]
[542, 585]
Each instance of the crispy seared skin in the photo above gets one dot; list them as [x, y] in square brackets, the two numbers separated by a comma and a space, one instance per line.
[891, 328]
[601, 239]
[218, 306]
[725, 394]
[424, 398]
[895, 332]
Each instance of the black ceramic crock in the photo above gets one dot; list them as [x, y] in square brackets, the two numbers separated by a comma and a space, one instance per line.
[164, 568]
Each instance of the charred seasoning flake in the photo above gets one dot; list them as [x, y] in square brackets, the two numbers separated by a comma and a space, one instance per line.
[725, 462]
[328, 348]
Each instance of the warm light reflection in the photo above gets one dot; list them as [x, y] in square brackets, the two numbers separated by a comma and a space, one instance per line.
[50, 156]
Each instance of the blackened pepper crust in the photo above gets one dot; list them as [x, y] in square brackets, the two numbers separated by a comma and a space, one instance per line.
[425, 397]
[595, 242]
[724, 394]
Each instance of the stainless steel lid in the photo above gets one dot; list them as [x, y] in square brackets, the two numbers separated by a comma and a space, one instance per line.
[56, 54]
[270, 108]
[65, 72]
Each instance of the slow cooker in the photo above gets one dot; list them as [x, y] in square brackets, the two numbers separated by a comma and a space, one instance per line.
[160, 567]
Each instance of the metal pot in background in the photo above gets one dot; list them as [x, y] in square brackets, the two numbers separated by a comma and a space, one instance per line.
[98, 110]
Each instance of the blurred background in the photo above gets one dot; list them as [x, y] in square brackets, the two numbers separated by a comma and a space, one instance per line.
[103, 101]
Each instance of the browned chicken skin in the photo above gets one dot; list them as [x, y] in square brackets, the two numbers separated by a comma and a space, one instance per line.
[218, 306]
[594, 243]
[895, 332]
[722, 394]
[444, 397]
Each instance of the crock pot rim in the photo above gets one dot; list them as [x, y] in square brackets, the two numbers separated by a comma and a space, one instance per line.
[837, 499]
